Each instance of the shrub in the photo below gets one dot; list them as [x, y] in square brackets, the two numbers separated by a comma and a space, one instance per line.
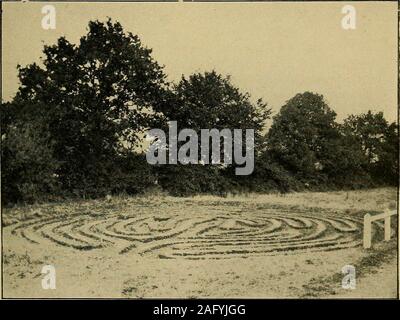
[184, 180]
[28, 168]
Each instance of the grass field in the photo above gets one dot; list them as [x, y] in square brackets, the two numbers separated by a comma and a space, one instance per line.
[292, 245]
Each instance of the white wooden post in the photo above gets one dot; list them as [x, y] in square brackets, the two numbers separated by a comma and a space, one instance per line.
[368, 219]
[367, 231]
[388, 228]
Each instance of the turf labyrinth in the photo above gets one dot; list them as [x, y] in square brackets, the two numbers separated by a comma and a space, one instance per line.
[208, 233]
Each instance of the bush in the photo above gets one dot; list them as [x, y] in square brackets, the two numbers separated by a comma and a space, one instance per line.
[133, 175]
[185, 180]
[268, 176]
[128, 173]
[28, 168]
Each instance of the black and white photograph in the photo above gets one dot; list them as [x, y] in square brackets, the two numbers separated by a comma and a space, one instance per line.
[191, 150]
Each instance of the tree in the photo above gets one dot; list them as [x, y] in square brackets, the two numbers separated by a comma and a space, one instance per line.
[97, 97]
[303, 135]
[210, 100]
[378, 141]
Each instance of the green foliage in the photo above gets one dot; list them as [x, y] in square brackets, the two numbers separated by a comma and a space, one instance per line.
[74, 124]
[209, 100]
[97, 96]
[302, 136]
[133, 175]
[28, 166]
[272, 176]
[306, 140]
[378, 142]
[185, 180]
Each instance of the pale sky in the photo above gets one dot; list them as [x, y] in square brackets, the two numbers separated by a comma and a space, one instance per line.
[271, 50]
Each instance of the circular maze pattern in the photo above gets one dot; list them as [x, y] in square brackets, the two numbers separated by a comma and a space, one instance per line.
[215, 235]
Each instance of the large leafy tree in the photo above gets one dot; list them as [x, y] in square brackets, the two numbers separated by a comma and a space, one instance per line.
[304, 135]
[378, 141]
[97, 97]
[209, 100]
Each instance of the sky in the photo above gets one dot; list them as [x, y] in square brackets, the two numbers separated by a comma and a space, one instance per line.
[271, 50]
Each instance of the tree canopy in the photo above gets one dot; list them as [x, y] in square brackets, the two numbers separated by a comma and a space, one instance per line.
[97, 95]
[78, 118]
